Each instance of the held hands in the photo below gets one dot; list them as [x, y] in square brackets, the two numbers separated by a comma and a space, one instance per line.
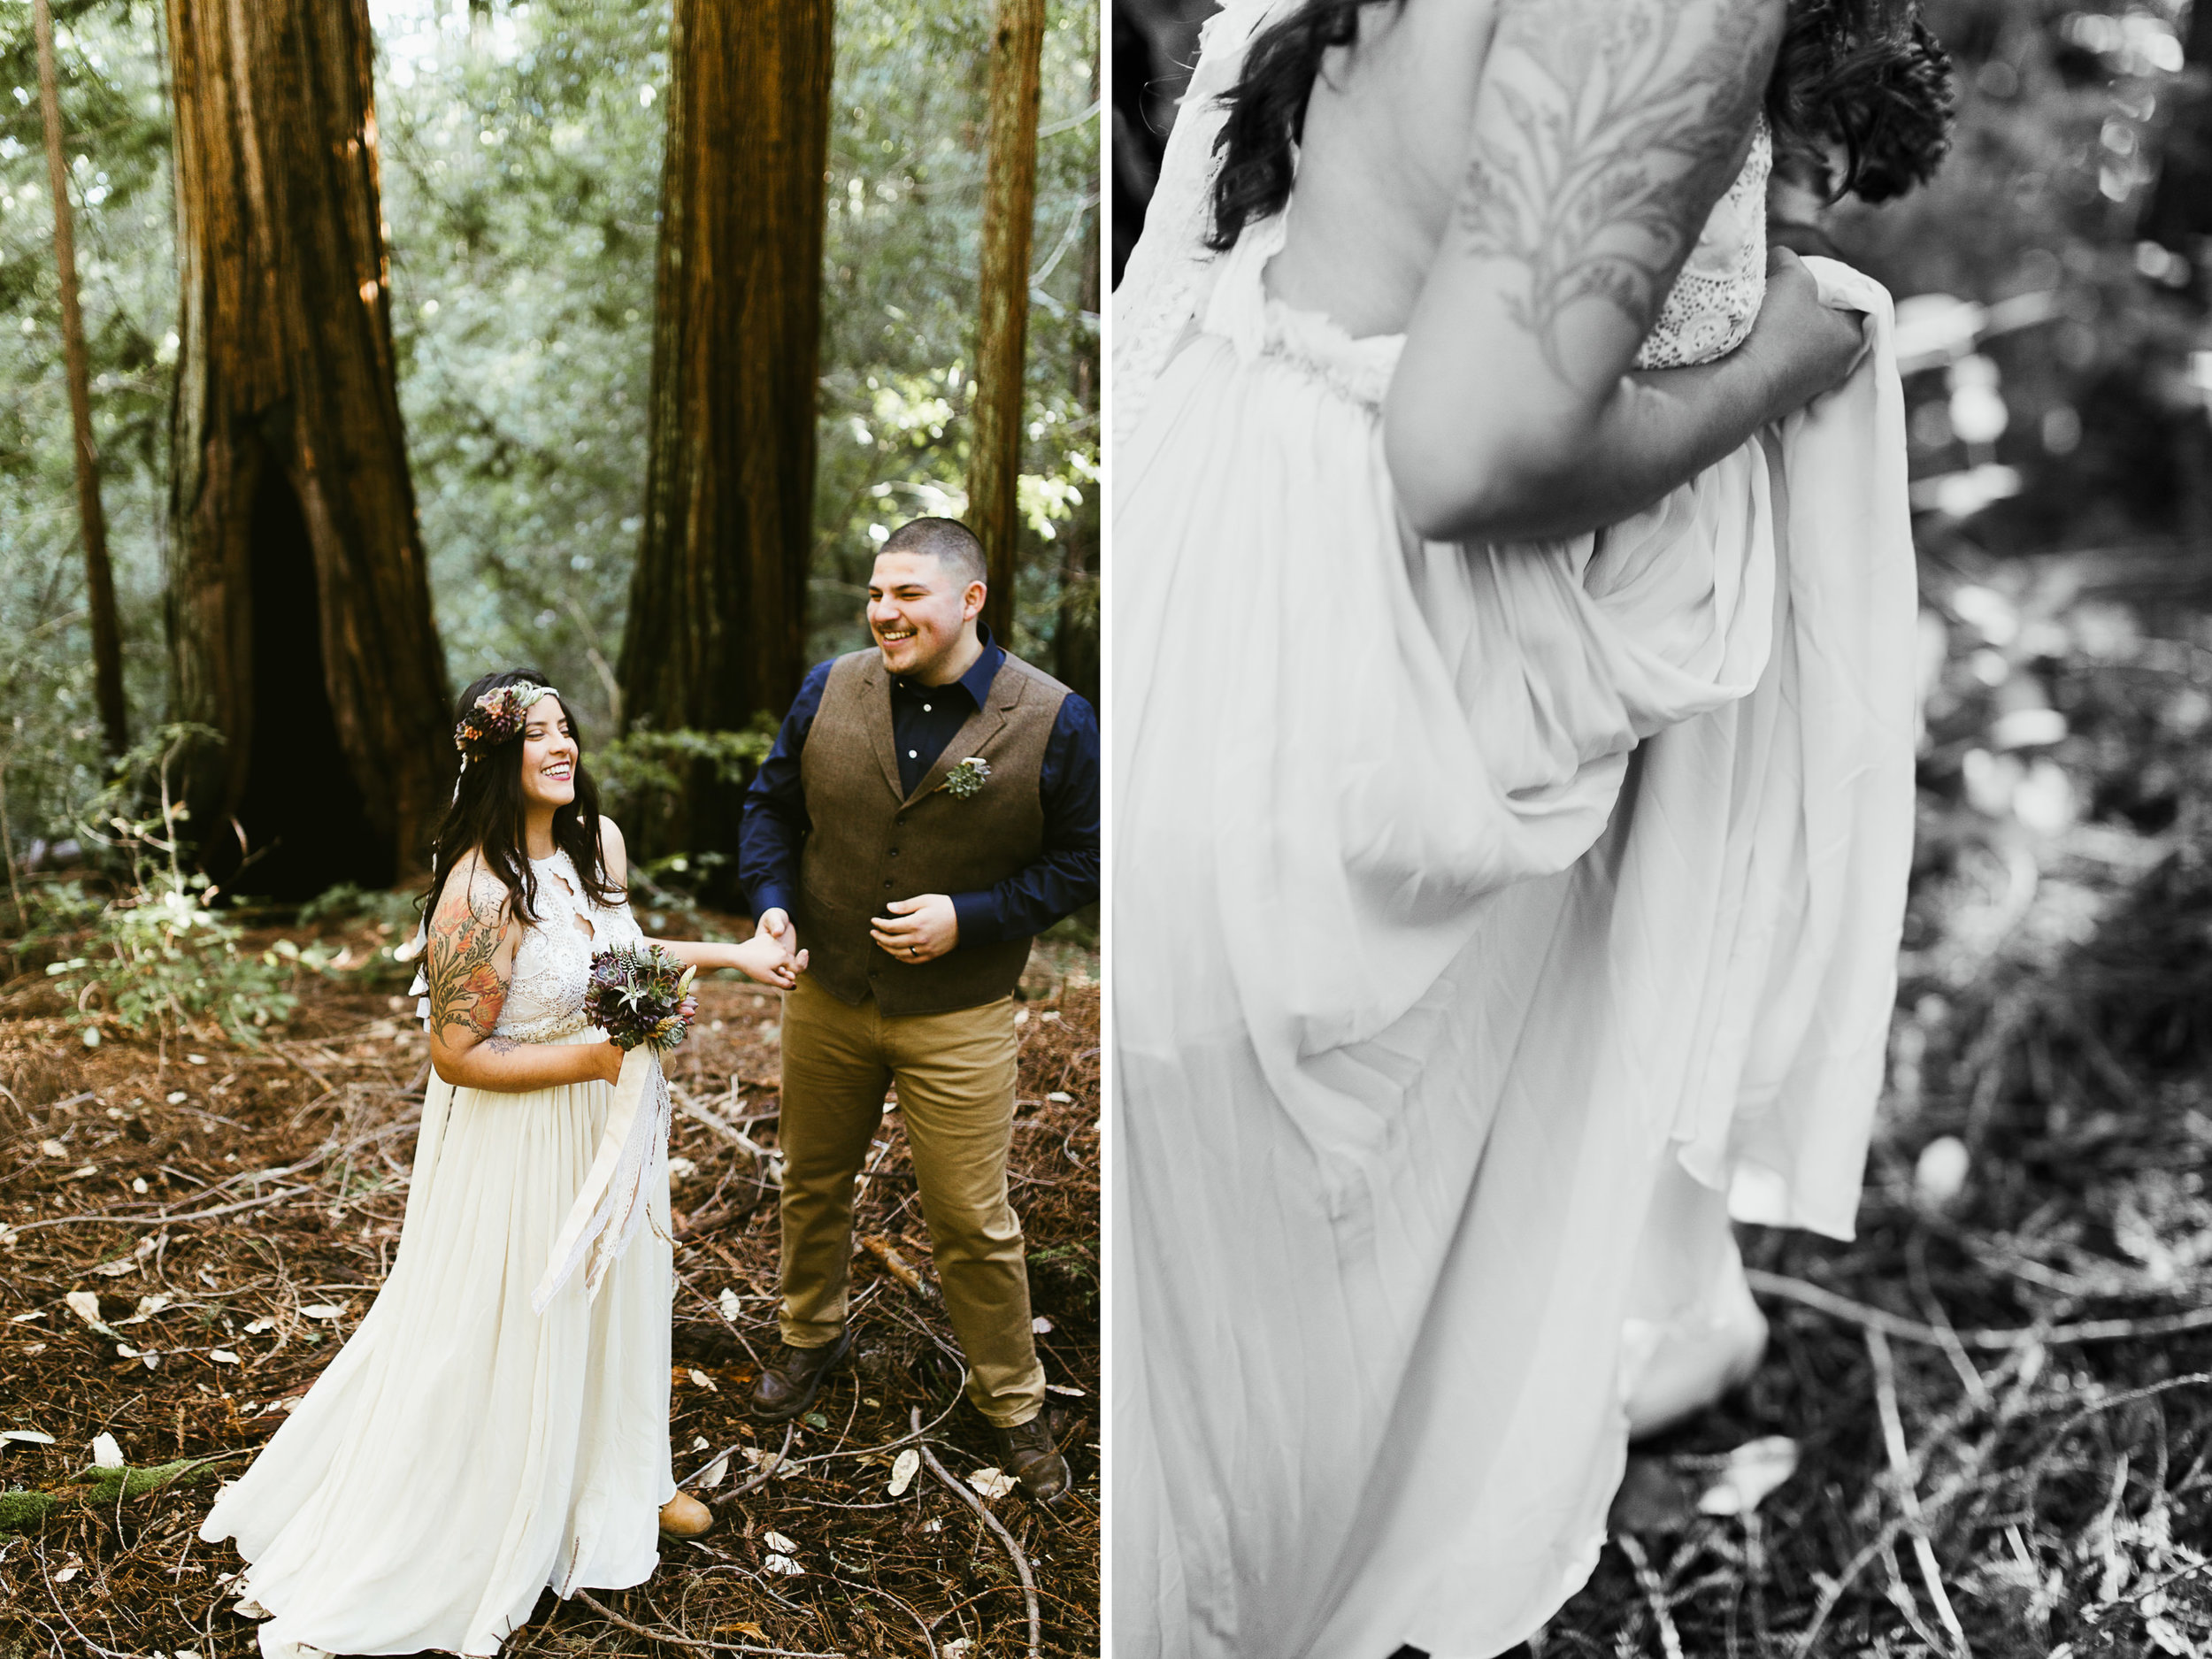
[917, 929]
[772, 955]
[1812, 347]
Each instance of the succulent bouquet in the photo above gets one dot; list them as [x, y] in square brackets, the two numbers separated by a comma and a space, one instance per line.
[641, 996]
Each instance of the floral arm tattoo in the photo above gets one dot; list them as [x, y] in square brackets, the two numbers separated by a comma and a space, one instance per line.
[1624, 121]
[468, 977]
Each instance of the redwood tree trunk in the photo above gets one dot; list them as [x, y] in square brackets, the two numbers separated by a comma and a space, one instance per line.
[716, 631]
[1075, 642]
[107, 642]
[299, 599]
[1009, 199]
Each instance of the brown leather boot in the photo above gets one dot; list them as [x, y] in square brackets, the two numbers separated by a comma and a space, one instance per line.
[787, 1385]
[1032, 1458]
[683, 1516]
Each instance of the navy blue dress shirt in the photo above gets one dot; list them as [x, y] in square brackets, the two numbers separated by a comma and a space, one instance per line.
[924, 720]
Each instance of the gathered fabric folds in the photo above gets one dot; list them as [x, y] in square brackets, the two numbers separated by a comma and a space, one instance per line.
[1465, 895]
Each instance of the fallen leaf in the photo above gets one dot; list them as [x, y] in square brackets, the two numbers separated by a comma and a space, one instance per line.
[903, 1470]
[105, 1453]
[28, 1437]
[1753, 1470]
[124, 1350]
[53, 1148]
[195, 1059]
[117, 1268]
[991, 1484]
[703, 1381]
[138, 1185]
[1064, 1388]
[323, 1311]
[177, 1097]
[785, 1565]
[778, 1542]
[223, 1356]
[716, 1473]
[1042, 1325]
[64, 1574]
[86, 1306]
[700, 1442]
[149, 1306]
[728, 1303]
[958, 1647]
[259, 1326]
[1060, 1097]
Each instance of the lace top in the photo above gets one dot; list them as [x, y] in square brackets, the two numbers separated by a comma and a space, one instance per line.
[545, 996]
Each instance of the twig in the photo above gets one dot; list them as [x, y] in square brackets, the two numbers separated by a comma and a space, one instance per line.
[1906, 1329]
[675, 1640]
[897, 1266]
[163, 1221]
[1907, 1497]
[774, 1466]
[1655, 1593]
[1021, 1562]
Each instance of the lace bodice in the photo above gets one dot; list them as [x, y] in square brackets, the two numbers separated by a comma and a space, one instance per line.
[545, 998]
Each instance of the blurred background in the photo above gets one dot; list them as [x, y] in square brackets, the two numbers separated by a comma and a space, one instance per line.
[2032, 1259]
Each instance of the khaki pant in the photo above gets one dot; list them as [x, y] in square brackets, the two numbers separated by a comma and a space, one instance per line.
[956, 1077]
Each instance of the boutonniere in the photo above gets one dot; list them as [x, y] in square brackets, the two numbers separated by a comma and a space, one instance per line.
[966, 779]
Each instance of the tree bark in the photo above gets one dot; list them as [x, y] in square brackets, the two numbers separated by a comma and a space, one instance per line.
[717, 630]
[1075, 637]
[300, 615]
[107, 642]
[1009, 199]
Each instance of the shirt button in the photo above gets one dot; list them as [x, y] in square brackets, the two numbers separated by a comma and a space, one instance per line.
[894, 852]
[913, 754]
[925, 708]
[887, 887]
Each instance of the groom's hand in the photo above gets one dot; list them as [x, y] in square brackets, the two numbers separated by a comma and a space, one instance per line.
[777, 926]
[918, 929]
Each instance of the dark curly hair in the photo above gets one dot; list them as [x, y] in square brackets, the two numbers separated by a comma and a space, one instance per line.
[487, 815]
[1864, 77]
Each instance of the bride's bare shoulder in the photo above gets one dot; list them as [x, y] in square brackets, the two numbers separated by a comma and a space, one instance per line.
[472, 896]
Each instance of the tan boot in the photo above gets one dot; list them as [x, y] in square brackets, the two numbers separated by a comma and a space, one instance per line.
[683, 1516]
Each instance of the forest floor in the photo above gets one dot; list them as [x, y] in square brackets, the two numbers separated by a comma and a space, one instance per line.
[189, 1229]
[1994, 1408]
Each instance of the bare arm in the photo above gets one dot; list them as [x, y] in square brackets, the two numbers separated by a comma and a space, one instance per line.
[1604, 135]
[761, 957]
[469, 964]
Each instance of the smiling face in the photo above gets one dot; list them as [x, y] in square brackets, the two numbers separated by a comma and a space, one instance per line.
[923, 617]
[549, 755]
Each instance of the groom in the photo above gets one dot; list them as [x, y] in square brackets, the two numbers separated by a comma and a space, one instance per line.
[928, 808]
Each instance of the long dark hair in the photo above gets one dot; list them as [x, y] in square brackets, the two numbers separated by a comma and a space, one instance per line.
[487, 815]
[1862, 76]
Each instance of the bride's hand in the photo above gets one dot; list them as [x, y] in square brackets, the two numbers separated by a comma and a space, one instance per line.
[764, 959]
[1812, 348]
[606, 1063]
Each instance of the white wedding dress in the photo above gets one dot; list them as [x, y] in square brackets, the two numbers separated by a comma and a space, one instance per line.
[462, 1452]
[1488, 921]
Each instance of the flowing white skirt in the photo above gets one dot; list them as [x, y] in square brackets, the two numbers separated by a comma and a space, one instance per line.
[1471, 903]
[462, 1452]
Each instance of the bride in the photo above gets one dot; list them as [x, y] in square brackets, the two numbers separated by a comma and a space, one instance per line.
[1500, 901]
[464, 1452]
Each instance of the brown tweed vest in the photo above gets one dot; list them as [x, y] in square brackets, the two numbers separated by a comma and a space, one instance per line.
[872, 843]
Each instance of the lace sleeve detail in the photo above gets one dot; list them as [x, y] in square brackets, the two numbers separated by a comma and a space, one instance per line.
[1716, 298]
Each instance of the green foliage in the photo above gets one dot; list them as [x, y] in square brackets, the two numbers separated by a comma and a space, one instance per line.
[382, 906]
[112, 1485]
[23, 1512]
[159, 957]
[117, 120]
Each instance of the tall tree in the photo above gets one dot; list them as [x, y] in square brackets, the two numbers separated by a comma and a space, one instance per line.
[107, 649]
[1009, 199]
[717, 630]
[300, 615]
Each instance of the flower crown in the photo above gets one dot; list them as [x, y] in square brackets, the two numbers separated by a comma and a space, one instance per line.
[497, 717]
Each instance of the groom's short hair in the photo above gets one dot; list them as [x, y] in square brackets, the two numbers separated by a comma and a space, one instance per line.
[951, 543]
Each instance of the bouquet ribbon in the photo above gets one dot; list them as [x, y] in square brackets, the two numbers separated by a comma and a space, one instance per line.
[617, 1194]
